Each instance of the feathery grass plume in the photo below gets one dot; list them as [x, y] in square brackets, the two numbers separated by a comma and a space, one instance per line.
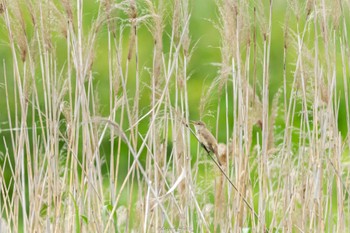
[156, 10]
[69, 11]
[206, 100]
[272, 120]
[309, 7]
[18, 27]
[176, 20]
[2, 7]
[185, 31]
[296, 8]
[133, 17]
[229, 25]
[109, 10]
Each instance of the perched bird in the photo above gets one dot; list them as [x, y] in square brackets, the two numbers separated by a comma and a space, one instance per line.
[207, 140]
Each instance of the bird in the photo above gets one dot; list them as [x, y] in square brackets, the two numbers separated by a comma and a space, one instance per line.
[206, 138]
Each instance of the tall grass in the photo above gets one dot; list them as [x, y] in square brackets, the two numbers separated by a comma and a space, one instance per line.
[91, 149]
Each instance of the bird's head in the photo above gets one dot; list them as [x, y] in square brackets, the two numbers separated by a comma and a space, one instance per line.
[198, 124]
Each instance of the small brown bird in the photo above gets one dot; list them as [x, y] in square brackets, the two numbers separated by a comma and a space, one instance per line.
[207, 140]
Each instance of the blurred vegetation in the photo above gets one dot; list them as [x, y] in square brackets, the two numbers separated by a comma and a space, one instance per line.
[203, 69]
